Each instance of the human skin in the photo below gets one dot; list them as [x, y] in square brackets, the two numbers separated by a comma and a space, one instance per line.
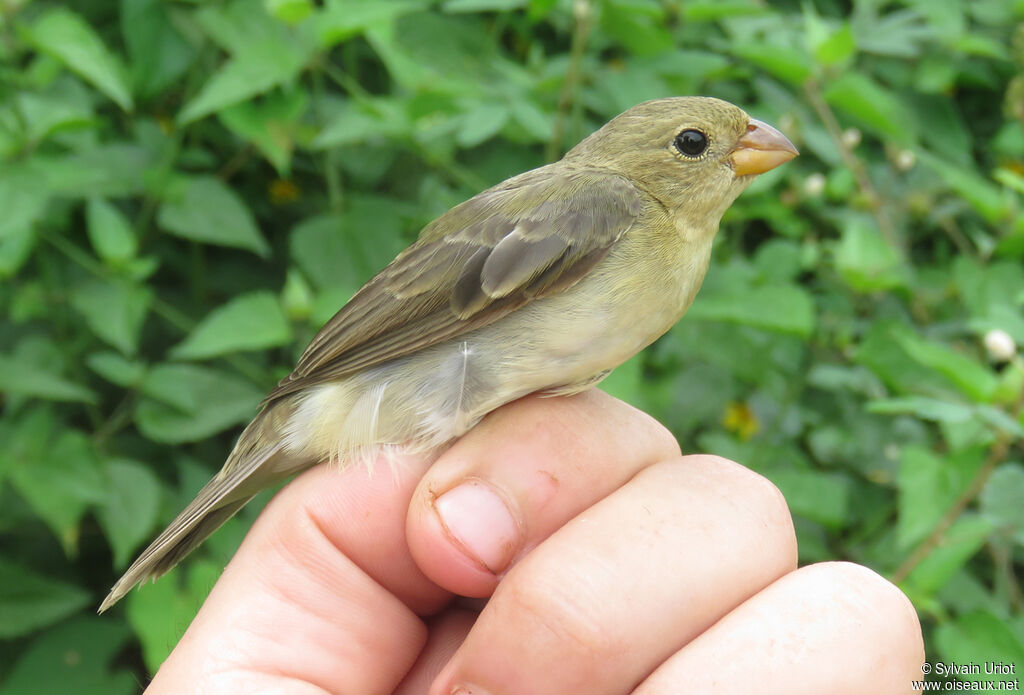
[612, 564]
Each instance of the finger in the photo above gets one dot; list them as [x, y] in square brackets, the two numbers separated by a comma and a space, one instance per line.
[518, 476]
[317, 594]
[828, 628]
[626, 584]
[447, 632]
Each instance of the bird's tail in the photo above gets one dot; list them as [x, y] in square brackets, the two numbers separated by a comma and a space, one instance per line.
[256, 462]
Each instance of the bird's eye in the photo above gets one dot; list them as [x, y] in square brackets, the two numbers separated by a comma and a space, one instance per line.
[691, 143]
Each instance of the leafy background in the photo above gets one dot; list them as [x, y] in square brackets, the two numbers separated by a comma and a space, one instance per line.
[189, 190]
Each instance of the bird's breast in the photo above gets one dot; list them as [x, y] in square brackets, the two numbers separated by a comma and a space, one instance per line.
[632, 298]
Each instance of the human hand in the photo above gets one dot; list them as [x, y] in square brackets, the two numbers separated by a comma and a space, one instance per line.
[614, 565]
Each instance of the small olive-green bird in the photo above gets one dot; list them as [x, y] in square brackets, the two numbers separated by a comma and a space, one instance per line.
[545, 282]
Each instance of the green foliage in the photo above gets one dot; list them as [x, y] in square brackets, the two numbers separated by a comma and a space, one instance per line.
[188, 190]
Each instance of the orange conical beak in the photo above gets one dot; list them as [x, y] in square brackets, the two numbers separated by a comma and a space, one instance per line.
[761, 149]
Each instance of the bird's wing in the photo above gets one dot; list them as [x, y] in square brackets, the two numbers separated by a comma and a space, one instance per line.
[524, 239]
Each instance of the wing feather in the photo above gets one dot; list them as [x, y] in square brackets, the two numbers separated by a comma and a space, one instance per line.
[536, 234]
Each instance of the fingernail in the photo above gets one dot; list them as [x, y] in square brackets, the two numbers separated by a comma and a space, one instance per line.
[480, 523]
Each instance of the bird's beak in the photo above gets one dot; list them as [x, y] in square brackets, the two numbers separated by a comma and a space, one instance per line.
[761, 149]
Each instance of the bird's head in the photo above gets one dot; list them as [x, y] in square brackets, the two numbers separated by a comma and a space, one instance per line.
[693, 154]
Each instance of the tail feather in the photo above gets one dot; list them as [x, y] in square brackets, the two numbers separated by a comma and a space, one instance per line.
[217, 502]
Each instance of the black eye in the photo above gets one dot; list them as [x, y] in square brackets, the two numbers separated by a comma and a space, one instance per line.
[692, 143]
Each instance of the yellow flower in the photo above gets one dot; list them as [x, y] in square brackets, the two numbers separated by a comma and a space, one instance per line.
[739, 419]
[283, 191]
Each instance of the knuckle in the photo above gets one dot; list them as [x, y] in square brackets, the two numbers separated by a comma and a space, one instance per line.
[561, 620]
[747, 497]
[658, 441]
[876, 601]
[661, 438]
[755, 492]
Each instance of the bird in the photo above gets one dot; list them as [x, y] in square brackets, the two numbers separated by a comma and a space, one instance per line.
[543, 283]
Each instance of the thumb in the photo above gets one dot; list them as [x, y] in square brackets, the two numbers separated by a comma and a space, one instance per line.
[519, 476]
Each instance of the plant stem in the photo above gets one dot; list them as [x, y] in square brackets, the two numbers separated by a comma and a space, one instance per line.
[582, 11]
[854, 164]
[996, 455]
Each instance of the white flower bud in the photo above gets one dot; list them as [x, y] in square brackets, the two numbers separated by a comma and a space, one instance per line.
[851, 138]
[1000, 345]
[905, 160]
[814, 184]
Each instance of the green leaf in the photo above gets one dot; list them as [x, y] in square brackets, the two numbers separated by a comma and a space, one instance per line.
[243, 77]
[1001, 498]
[710, 10]
[265, 54]
[61, 484]
[109, 232]
[1000, 317]
[15, 249]
[208, 210]
[296, 296]
[924, 407]
[987, 199]
[22, 200]
[881, 352]
[337, 251]
[980, 638]
[29, 600]
[872, 105]
[928, 487]
[116, 369]
[779, 308]
[897, 34]
[464, 63]
[129, 511]
[65, 35]
[65, 106]
[971, 378]
[638, 26]
[866, 260]
[158, 54]
[820, 497]
[967, 535]
[160, 612]
[171, 386]
[219, 401]
[289, 11]
[114, 311]
[113, 170]
[235, 24]
[252, 321]
[327, 303]
[779, 261]
[837, 48]
[26, 438]
[537, 123]
[990, 290]
[787, 63]
[76, 655]
[362, 121]
[1000, 419]
[481, 123]
[269, 124]
[482, 5]
[20, 377]
[343, 19]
